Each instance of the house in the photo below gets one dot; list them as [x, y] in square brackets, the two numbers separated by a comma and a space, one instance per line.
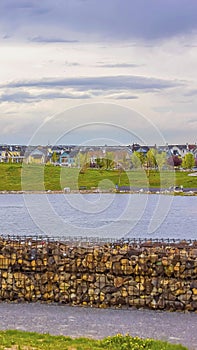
[15, 157]
[11, 154]
[193, 150]
[179, 150]
[66, 159]
[56, 151]
[35, 157]
[141, 149]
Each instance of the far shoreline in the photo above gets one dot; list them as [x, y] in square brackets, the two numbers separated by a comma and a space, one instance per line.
[185, 192]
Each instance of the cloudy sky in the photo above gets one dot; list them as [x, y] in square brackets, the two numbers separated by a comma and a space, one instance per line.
[89, 71]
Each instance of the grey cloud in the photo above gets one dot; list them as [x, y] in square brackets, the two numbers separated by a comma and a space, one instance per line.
[40, 39]
[19, 4]
[190, 45]
[118, 65]
[192, 92]
[121, 82]
[192, 121]
[25, 97]
[124, 97]
[109, 20]
[5, 37]
[15, 97]
[72, 64]
[162, 109]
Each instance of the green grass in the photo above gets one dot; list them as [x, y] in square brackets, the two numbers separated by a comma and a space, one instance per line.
[16, 177]
[19, 340]
[10, 177]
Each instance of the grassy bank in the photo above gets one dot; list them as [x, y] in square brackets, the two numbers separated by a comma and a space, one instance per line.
[18, 340]
[14, 177]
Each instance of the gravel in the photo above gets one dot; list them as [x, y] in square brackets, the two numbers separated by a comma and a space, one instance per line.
[175, 327]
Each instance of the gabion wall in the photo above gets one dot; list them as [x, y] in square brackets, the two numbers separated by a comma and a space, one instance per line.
[151, 274]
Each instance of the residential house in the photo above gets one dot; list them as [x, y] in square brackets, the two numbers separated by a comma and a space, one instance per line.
[35, 157]
[67, 159]
[193, 150]
[11, 154]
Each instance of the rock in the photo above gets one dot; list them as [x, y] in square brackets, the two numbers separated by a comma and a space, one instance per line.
[118, 282]
[91, 291]
[169, 270]
[132, 290]
[138, 302]
[165, 261]
[127, 269]
[100, 281]
[108, 265]
[193, 284]
[124, 293]
[102, 296]
[116, 267]
[124, 261]
[4, 262]
[73, 297]
[151, 274]
[153, 258]
[185, 297]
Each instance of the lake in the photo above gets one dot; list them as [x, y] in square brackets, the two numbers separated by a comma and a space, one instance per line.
[99, 215]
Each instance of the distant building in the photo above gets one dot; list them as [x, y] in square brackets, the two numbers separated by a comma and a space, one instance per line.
[35, 157]
[70, 155]
[66, 159]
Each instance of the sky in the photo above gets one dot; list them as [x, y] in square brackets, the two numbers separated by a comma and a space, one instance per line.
[98, 72]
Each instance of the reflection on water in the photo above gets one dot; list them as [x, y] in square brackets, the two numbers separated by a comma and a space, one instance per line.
[106, 215]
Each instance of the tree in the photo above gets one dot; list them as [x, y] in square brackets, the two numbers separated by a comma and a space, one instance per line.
[54, 157]
[81, 160]
[136, 161]
[174, 161]
[161, 160]
[109, 160]
[150, 159]
[100, 163]
[188, 161]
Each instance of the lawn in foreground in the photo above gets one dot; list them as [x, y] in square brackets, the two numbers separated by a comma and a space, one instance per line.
[19, 340]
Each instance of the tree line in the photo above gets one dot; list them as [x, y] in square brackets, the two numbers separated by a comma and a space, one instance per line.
[150, 160]
[155, 160]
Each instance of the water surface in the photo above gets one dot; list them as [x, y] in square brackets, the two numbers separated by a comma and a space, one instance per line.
[102, 215]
